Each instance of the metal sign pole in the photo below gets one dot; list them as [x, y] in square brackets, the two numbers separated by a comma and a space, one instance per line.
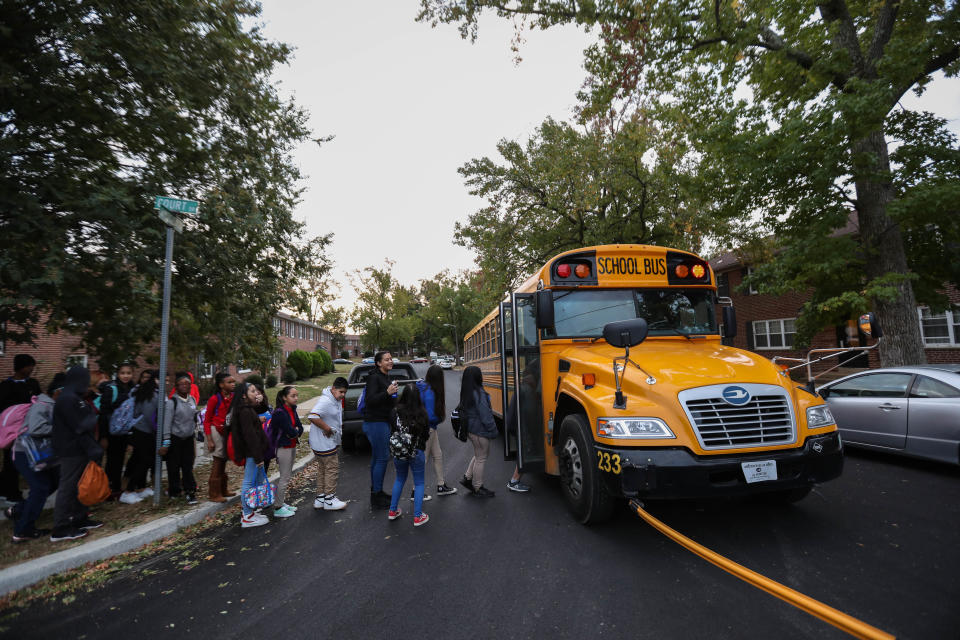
[164, 334]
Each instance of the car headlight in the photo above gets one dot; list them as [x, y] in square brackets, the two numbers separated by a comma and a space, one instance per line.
[633, 428]
[819, 416]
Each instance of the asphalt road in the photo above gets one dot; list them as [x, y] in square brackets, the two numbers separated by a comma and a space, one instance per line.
[880, 543]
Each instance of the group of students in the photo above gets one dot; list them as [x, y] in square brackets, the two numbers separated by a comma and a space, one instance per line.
[418, 411]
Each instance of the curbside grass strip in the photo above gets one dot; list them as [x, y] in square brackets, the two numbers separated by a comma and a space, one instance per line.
[33, 571]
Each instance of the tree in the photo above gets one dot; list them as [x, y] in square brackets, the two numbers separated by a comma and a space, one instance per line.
[810, 147]
[569, 188]
[372, 308]
[334, 319]
[314, 287]
[110, 103]
[452, 299]
[301, 362]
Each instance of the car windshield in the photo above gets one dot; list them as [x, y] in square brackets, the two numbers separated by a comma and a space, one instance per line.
[582, 313]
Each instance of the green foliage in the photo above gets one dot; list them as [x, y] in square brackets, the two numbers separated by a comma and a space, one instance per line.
[344, 354]
[271, 381]
[327, 361]
[301, 363]
[254, 378]
[454, 303]
[116, 102]
[289, 376]
[385, 314]
[334, 319]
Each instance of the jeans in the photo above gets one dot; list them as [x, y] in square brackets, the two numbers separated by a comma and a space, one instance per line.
[418, 463]
[42, 483]
[249, 481]
[180, 465]
[378, 433]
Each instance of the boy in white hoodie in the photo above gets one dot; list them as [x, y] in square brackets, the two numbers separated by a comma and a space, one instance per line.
[326, 419]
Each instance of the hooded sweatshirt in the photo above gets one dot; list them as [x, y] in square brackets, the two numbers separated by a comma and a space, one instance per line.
[330, 410]
[180, 417]
[74, 420]
[38, 421]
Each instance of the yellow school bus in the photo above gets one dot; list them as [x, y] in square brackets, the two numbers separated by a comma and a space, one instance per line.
[607, 368]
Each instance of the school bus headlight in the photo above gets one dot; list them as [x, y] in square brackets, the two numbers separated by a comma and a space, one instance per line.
[633, 428]
[819, 416]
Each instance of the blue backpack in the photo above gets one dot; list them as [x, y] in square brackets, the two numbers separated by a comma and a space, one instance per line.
[121, 421]
[361, 403]
[116, 393]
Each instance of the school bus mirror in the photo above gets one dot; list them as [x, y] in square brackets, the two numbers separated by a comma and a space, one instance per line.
[625, 333]
[729, 322]
[543, 301]
[870, 326]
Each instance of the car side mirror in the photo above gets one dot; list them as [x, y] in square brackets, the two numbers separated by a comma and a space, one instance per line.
[625, 333]
[543, 303]
[729, 322]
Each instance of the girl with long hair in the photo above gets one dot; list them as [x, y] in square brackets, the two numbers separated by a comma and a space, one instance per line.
[285, 424]
[412, 418]
[481, 428]
[379, 398]
[432, 393]
[215, 432]
[249, 443]
[143, 436]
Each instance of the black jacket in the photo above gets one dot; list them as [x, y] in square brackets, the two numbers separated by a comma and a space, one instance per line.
[378, 404]
[17, 391]
[74, 420]
[249, 439]
[108, 405]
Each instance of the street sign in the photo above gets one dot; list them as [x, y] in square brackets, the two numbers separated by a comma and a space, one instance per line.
[171, 220]
[175, 205]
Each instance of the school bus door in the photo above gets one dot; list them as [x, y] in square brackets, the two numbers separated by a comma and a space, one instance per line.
[520, 370]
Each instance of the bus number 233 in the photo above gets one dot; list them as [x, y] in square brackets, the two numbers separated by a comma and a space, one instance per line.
[608, 462]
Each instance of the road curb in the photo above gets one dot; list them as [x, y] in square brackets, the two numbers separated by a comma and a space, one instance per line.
[33, 571]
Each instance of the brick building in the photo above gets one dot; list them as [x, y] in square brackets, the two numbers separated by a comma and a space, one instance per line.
[767, 324]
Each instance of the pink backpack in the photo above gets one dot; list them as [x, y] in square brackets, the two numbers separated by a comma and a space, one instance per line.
[11, 422]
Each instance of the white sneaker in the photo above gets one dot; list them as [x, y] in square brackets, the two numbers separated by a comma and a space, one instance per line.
[333, 503]
[146, 493]
[253, 520]
[319, 501]
[130, 497]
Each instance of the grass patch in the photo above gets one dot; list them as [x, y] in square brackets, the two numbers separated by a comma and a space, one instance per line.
[312, 387]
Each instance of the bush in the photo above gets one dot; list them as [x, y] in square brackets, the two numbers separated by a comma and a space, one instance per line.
[317, 361]
[327, 360]
[301, 363]
[345, 355]
[254, 378]
[271, 381]
[289, 376]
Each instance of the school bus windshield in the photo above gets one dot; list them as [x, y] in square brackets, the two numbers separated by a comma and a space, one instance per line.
[582, 313]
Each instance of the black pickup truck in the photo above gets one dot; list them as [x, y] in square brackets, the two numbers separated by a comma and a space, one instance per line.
[402, 372]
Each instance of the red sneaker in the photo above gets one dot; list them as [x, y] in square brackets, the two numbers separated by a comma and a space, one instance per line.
[421, 519]
[393, 515]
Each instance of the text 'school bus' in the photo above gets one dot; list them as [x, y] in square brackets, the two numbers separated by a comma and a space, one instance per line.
[607, 369]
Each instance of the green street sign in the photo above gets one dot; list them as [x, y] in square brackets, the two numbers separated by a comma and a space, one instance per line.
[175, 205]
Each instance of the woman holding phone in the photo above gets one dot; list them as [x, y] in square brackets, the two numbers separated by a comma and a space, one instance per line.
[379, 397]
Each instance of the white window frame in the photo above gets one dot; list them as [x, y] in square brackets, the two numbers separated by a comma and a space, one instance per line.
[276, 326]
[750, 290]
[783, 334]
[952, 317]
[77, 359]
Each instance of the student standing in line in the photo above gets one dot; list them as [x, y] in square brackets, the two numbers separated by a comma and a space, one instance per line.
[411, 418]
[286, 423]
[179, 431]
[475, 404]
[215, 431]
[74, 444]
[39, 420]
[250, 444]
[379, 399]
[17, 389]
[112, 396]
[143, 436]
[432, 394]
[326, 431]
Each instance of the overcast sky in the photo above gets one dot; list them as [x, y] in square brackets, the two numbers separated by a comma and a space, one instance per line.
[408, 105]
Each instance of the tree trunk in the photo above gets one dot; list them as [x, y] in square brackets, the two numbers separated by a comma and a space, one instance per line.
[882, 244]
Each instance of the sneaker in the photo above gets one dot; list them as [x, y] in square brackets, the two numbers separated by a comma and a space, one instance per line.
[88, 524]
[318, 502]
[444, 490]
[393, 515]
[130, 497]
[421, 519]
[426, 496]
[69, 533]
[30, 535]
[519, 487]
[333, 503]
[253, 520]
[191, 498]
[467, 483]
[483, 492]
[289, 507]
[146, 493]
[282, 512]
[8, 513]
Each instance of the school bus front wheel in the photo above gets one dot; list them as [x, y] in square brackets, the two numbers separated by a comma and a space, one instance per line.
[583, 490]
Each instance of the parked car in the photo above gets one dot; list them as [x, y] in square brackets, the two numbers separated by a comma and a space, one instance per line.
[402, 372]
[446, 363]
[367, 361]
[419, 360]
[910, 410]
[342, 361]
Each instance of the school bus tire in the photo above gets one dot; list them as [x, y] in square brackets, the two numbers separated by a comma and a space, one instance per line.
[583, 489]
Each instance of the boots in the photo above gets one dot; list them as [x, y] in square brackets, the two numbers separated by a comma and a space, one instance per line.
[218, 480]
[223, 483]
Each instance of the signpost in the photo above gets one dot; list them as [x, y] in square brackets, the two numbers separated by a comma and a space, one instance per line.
[167, 208]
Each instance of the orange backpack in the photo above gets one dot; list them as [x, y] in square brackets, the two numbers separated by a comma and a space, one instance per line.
[93, 487]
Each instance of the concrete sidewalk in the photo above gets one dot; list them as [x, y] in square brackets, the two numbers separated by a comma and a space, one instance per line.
[33, 571]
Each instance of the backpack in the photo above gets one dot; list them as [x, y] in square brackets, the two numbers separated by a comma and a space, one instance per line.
[93, 487]
[12, 422]
[401, 442]
[121, 420]
[459, 423]
[232, 452]
[361, 403]
[116, 394]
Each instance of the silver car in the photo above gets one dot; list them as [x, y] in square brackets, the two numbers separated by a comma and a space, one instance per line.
[910, 410]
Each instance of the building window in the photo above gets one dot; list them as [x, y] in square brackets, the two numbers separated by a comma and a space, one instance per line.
[723, 285]
[774, 334]
[940, 329]
[77, 359]
[746, 274]
[276, 325]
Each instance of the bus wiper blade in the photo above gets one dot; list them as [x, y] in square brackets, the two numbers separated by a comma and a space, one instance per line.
[679, 332]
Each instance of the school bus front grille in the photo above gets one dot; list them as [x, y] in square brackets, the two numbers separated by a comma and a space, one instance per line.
[765, 420]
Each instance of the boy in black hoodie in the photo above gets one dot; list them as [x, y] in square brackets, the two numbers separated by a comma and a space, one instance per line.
[75, 444]
[17, 389]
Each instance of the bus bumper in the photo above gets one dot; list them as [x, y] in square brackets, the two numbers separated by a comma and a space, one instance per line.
[678, 473]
